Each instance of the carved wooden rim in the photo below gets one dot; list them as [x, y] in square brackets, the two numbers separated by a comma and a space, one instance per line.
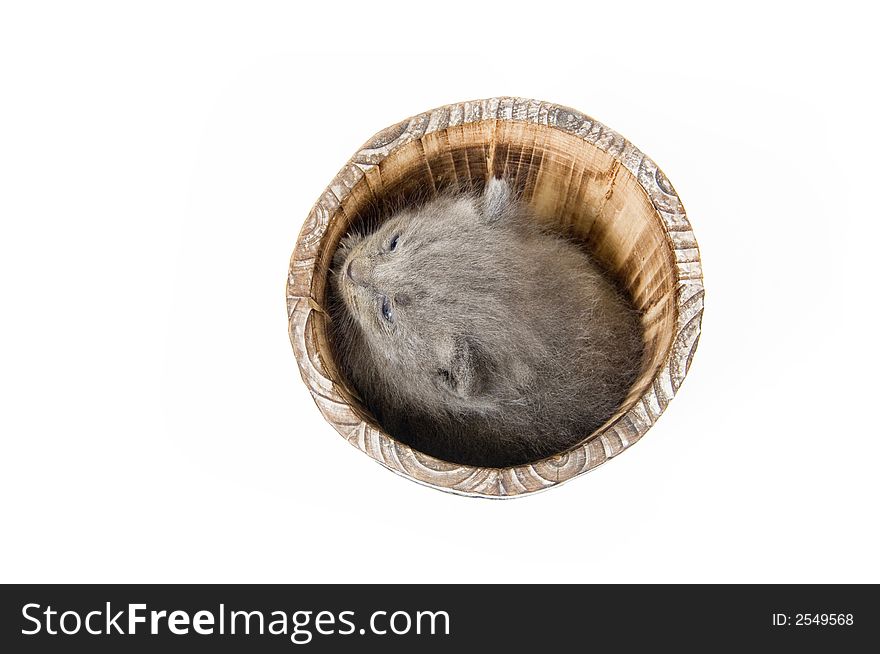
[598, 447]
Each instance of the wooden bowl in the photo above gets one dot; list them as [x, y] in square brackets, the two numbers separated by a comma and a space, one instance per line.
[579, 176]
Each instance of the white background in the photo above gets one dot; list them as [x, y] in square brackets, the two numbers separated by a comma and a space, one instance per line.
[157, 161]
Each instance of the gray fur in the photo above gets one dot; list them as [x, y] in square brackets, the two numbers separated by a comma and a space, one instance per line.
[505, 343]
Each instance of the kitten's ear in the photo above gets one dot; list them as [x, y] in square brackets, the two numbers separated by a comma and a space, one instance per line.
[497, 200]
[464, 370]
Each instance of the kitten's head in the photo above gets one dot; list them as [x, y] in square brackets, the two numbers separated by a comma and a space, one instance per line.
[423, 301]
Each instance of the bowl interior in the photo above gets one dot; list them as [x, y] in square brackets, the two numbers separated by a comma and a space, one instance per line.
[571, 185]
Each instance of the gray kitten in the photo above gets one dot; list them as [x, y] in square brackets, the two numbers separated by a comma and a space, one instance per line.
[476, 336]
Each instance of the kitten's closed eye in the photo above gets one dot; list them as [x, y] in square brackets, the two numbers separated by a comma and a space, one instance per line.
[393, 244]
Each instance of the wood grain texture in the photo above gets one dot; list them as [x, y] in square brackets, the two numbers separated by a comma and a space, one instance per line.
[579, 176]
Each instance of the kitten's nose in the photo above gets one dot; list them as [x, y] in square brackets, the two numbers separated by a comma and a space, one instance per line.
[358, 271]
